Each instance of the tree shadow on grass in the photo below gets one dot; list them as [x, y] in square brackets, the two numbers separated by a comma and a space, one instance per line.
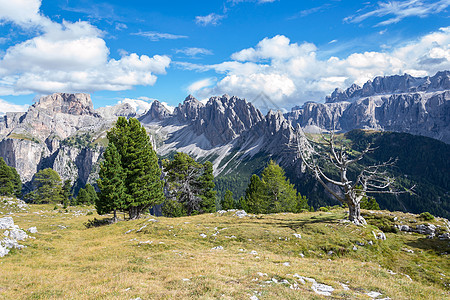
[99, 222]
[435, 245]
[329, 219]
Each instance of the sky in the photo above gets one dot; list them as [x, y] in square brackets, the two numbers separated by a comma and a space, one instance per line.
[272, 52]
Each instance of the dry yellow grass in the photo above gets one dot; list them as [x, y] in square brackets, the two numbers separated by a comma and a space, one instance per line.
[170, 259]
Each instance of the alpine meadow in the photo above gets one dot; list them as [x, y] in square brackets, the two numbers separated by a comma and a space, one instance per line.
[234, 149]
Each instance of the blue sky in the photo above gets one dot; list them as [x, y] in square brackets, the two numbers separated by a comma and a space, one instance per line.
[287, 51]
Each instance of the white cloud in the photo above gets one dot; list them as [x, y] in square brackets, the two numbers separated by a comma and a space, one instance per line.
[140, 105]
[290, 73]
[21, 12]
[194, 51]
[5, 107]
[201, 84]
[211, 19]
[399, 10]
[143, 104]
[156, 36]
[71, 57]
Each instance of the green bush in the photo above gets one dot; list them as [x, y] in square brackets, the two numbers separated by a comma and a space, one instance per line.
[323, 209]
[426, 216]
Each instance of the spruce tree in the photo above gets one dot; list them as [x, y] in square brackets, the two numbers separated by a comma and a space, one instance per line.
[208, 194]
[139, 162]
[6, 179]
[47, 187]
[93, 197]
[66, 192]
[255, 196]
[281, 194]
[83, 197]
[228, 201]
[111, 183]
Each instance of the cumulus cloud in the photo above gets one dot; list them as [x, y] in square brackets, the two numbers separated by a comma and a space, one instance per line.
[6, 106]
[399, 10]
[143, 104]
[70, 57]
[291, 73]
[211, 19]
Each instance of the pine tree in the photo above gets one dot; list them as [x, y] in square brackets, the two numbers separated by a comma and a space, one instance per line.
[93, 197]
[47, 187]
[6, 179]
[83, 197]
[191, 184]
[111, 183]
[282, 196]
[208, 195]
[67, 193]
[228, 201]
[140, 165]
[302, 203]
[255, 196]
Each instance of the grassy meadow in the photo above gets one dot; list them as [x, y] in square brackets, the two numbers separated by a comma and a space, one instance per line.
[256, 256]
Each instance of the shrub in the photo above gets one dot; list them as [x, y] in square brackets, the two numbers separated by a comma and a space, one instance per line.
[426, 216]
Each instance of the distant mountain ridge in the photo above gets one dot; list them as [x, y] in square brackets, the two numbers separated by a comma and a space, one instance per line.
[416, 105]
[64, 132]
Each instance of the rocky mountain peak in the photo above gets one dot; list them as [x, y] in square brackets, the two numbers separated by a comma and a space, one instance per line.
[189, 110]
[157, 112]
[396, 84]
[74, 104]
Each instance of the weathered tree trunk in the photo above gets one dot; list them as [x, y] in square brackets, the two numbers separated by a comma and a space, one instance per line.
[354, 214]
[134, 212]
[115, 216]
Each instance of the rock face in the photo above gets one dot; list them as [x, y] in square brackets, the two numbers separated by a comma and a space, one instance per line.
[395, 103]
[35, 140]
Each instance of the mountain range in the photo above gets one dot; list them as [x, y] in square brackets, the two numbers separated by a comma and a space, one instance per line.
[63, 131]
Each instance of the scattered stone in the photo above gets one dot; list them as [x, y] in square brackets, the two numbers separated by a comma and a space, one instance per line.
[6, 223]
[287, 264]
[203, 235]
[373, 294]
[129, 231]
[407, 250]
[370, 243]
[18, 234]
[322, 289]
[140, 229]
[32, 229]
[355, 248]
[380, 236]
[404, 228]
[152, 220]
[445, 236]
[330, 252]
[301, 255]
[217, 248]
[297, 235]
[360, 243]
[262, 274]
[62, 227]
[253, 252]
[254, 297]
[344, 286]
[186, 279]
[240, 213]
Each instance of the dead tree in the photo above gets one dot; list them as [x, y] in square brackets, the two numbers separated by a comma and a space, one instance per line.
[373, 179]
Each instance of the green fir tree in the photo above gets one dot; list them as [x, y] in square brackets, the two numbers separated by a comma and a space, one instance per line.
[227, 200]
[111, 183]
